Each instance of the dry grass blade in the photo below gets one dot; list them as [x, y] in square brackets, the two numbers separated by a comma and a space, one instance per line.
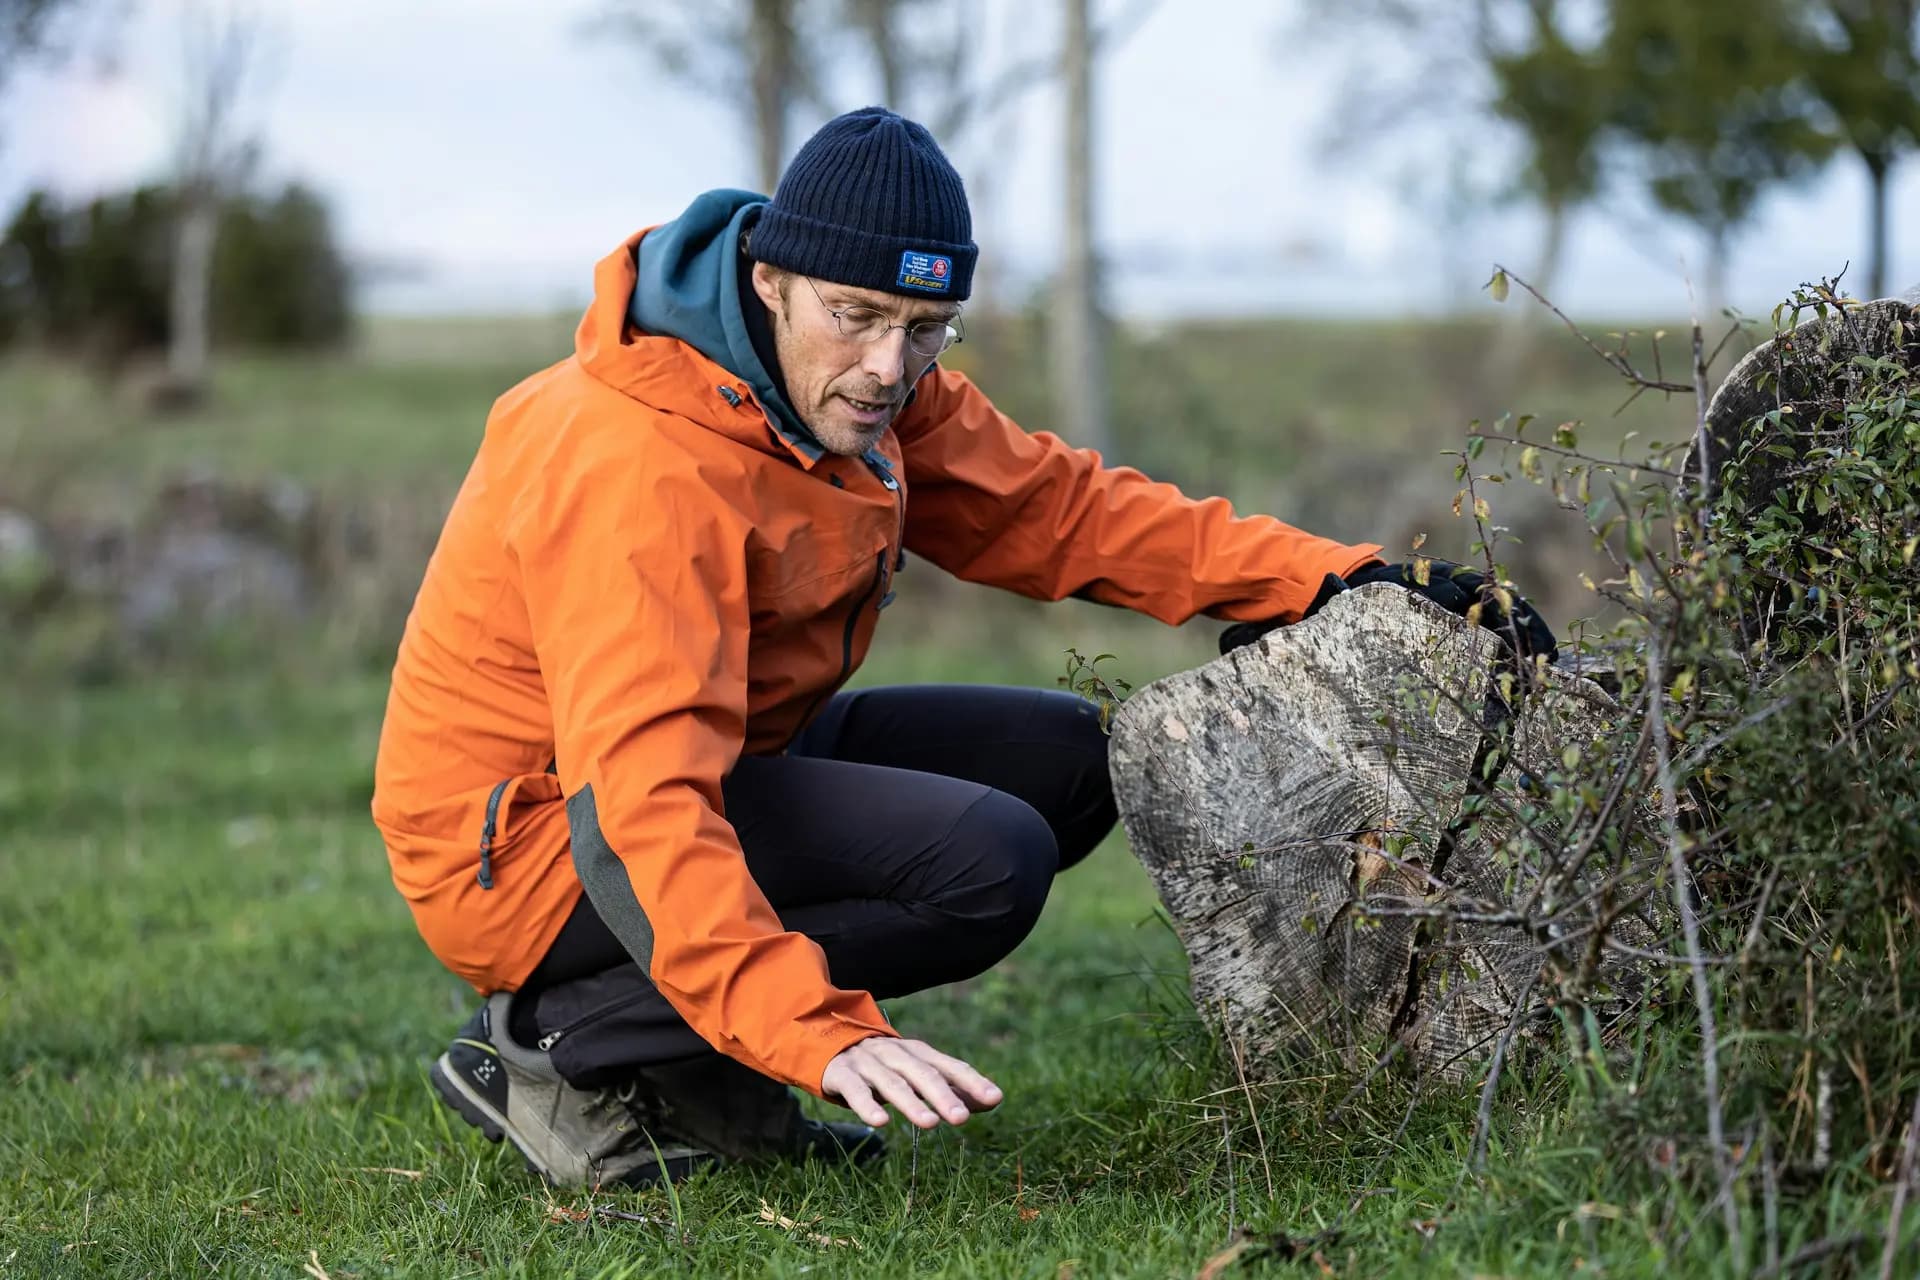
[313, 1267]
[772, 1217]
[1217, 1265]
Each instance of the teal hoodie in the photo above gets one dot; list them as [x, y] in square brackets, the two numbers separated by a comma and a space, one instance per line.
[691, 286]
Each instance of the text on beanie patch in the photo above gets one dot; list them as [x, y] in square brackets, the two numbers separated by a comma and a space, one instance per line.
[931, 272]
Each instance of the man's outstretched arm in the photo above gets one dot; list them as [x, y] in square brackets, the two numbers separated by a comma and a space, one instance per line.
[992, 503]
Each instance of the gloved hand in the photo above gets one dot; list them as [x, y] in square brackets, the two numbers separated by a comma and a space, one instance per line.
[1453, 587]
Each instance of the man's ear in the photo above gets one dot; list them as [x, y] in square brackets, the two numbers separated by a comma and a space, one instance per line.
[766, 286]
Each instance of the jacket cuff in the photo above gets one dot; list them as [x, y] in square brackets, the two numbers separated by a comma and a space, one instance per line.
[1342, 560]
[1358, 557]
[830, 1044]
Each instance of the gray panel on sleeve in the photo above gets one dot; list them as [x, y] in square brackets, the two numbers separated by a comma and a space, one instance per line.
[605, 879]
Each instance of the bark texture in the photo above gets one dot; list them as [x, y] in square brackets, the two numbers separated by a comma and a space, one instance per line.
[1291, 797]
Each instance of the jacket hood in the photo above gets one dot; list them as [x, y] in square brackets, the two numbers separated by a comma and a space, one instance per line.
[688, 285]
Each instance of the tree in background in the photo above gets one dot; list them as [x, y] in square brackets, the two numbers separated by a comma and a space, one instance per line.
[921, 61]
[1079, 318]
[26, 30]
[1557, 98]
[1453, 68]
[1862, 61]
[221, 45]
[1709, 106]
[91, 278]
[279, 278]
[95, 278]
[1711, 111]
[48, 32]
[754, 55]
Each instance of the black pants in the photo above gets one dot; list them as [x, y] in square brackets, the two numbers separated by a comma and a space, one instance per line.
[912, 832]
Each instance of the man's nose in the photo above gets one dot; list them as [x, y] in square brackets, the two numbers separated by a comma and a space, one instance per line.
[885, 358]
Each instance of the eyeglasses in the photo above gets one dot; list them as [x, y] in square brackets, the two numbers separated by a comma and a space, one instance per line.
[865, 324]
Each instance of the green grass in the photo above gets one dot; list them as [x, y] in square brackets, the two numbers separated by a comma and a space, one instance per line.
[215, 1023]
[216, 1018]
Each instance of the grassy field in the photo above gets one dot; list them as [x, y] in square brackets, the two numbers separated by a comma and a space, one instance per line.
[216, 1019]
[215, 1023]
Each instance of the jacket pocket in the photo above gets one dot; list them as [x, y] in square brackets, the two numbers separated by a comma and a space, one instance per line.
[497, 825]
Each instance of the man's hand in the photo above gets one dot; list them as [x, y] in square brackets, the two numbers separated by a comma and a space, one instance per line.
[926, 1085]
[1453, 587]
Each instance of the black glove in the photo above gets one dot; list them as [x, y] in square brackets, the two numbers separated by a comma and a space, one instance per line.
[1453, 587]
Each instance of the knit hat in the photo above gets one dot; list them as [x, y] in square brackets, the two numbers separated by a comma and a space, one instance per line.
[872, 202]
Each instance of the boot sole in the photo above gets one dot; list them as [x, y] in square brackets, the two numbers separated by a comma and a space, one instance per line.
[495, 1127]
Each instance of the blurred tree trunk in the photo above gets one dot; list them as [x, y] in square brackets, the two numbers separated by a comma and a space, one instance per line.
[1719, 243]
[1079, 364]
[775, 49]
[219, 49]
[874, 20]
[189, 313]
[1862, 61]
[1711, 108]
[1877, 166]
[757, 56]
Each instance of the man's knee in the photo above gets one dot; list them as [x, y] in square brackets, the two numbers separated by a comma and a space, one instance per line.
[1083, 812]
[1003, 856]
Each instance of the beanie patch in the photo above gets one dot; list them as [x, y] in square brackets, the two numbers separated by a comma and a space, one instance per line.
[927, 272]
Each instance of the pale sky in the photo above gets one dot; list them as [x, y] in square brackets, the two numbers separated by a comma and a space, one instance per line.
[499, 147]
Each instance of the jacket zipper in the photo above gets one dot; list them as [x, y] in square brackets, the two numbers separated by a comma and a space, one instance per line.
[878, 465]
[846, 636]
[487, 832]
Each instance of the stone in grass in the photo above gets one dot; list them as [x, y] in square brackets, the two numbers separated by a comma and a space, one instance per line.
[1289, 797]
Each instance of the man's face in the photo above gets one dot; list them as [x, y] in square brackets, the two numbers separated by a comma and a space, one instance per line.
[846, 391]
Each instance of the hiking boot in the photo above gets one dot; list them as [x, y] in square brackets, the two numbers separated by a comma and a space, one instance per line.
[570, 1137]
[730, 1109]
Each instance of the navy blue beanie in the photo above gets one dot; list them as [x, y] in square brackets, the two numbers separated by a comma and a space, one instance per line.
[872, 202]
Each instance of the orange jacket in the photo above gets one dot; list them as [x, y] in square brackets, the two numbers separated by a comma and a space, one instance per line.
[641, 579]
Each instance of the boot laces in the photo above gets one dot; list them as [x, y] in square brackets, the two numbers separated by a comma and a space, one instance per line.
[627, 1104]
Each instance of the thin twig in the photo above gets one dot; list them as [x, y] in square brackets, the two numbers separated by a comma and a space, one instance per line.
[1233, 1198]
[1813, 1253]
[913, 1169]
[1498, 438]
[1483, 1121]
[1690, 930]
[1613, 359]
[1392, 1145]
[1907, 1156]
[1703, 434]
[1770, 1193]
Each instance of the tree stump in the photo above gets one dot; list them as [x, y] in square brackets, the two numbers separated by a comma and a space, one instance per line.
[1778, 412]
[1804, 367]
[1298, 804]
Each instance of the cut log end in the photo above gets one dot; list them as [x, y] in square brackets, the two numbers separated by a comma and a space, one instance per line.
[1298, 806]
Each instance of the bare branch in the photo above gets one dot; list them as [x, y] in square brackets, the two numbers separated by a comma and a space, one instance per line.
[1909, 1149]
[1614, 359]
